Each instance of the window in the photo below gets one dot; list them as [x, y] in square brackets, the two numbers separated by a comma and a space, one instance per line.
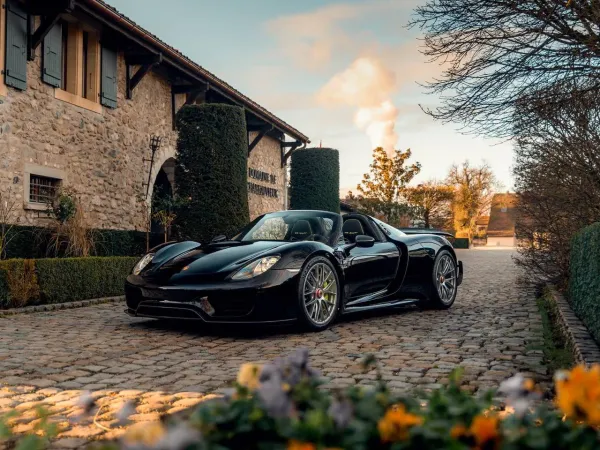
[72, 64]
[42, 189]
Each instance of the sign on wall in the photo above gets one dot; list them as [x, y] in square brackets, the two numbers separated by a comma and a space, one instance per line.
[260, 189]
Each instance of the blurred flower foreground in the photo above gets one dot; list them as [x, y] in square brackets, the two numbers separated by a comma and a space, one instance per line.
[281, 405]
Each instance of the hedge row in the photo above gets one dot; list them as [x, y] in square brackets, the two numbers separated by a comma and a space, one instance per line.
[31, 242]
[211, 171]
[584, 283]
[461, 243]
[59, 280]
[315, 179]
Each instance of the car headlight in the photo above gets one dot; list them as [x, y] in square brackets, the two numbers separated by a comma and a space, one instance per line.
[142, 263]
[255, 268]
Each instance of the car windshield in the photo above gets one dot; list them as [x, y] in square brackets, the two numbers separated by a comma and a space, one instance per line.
[291, 226]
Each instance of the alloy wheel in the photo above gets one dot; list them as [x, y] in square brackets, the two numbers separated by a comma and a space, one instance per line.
[320, 294]
[445, 276]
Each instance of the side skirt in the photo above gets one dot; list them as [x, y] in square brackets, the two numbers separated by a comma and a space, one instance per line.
[352, 309]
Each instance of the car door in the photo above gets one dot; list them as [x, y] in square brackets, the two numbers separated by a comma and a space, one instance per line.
[369, 270]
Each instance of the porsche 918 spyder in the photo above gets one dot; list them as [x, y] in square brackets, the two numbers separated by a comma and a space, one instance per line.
[308, 266]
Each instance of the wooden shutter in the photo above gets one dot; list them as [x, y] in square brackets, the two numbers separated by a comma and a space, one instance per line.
[15, 73]
[52, 63]
[108, 94]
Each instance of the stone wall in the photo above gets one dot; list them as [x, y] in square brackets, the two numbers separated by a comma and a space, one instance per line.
[100, 156]
[266, 157]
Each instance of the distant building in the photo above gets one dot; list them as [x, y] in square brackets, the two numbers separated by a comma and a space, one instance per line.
[501, 228]
[481, 224]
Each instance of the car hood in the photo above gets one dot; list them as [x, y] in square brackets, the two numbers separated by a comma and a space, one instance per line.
[186, 262]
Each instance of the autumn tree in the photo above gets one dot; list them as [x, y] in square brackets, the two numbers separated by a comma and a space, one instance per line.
[431, 203]
[494, 53]
[473, 191]
[381, 190]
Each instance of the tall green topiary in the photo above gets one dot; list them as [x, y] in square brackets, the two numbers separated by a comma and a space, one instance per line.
[315, 179]
[211, 171]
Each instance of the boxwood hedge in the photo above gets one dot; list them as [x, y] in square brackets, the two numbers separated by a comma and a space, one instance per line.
[584, 282]
[61, 280]
[315, 179]
[211, 171]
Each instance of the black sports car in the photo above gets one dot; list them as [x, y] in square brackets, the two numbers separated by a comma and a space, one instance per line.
[295, 265]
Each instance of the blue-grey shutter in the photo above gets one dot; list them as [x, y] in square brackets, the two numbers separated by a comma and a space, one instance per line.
[52, 62]
[108, 94]
[15, 71]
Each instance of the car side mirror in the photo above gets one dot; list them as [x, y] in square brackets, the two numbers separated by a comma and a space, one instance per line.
[362, 240]
[219, 238]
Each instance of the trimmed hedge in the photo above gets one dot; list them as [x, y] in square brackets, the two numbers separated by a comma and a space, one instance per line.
[584, 282]
[315, 179]
[211, 171]
[60, 280]
[461, 243]
[31, 242]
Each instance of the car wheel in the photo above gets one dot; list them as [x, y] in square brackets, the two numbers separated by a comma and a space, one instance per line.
[318, 294]
[445, 288]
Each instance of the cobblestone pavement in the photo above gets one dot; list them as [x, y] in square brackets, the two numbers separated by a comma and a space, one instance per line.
[493, 331]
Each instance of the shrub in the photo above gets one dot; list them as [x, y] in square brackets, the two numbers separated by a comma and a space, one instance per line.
[584, 282]
[315, 179]
[32, 242]
[461, 243]
[71, 279]
[211, 171]
[18, 283]
[281, 406]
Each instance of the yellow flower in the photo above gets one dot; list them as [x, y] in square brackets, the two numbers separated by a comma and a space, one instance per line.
[248, 376]
[578, 394]
[297, 445]
[145, 433]
[395, 424]
[484, 430]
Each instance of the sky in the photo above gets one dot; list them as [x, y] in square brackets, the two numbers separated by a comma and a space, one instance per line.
[348, 74]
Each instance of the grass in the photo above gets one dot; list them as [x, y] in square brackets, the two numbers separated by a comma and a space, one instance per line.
[556, 353]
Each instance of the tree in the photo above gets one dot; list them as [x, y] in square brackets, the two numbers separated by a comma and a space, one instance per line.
[380, 192]
[557, 175]
[474, 188]
[164, 205]
[431, 202]
[495, 53]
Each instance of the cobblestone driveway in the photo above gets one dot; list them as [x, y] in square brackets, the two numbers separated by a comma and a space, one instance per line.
[493, 331]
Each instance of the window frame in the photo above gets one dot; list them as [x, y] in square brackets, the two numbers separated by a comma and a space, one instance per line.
[39, 171]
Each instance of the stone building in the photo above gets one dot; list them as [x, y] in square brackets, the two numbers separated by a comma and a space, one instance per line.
[83, 91]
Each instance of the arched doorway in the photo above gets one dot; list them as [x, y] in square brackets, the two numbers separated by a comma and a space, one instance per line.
[162, 193]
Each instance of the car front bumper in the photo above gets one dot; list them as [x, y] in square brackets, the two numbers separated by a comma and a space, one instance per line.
[269, 298]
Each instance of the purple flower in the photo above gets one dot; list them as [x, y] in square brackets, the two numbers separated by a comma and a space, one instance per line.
[341, 412]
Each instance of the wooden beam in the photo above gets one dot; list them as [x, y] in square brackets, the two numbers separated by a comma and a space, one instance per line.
[44, 28]
[133, 81]
[285, 156]
[259, 137]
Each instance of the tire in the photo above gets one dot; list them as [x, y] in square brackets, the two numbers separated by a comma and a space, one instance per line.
[317, 307]
[443, 277]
